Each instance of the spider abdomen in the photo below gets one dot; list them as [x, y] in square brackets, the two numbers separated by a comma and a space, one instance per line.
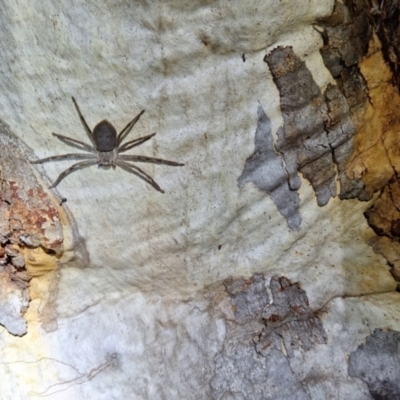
[105, 136]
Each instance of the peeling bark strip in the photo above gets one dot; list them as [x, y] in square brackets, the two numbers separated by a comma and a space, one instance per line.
[384, 215]
[30, 230]
[252, 364]
[290, 318]
[302, 141]
[355, 59]
[377, 363]
[384, 218]
[346, 35]
[385, 18]
[341, 134]
[317, 131]
[266, 171]
[34, 221]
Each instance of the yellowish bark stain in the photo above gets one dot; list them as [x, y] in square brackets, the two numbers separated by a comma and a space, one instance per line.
[376, 146]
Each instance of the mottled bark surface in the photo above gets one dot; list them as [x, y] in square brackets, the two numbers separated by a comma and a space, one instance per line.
[384, 218]
[302, 141]
[346, 34]
[385, 18]
[290, 318]
[341, 132]
[151, 303]
[354, 58]
[30, 230]
[262, 337]
[317, 133]
[377, 362]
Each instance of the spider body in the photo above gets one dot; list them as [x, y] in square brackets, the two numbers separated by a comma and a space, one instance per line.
[105, 140]
[107, 158]
[105, 136]
[106, 150]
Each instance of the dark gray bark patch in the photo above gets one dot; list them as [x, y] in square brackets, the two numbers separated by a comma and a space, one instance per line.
[290, 318]
[385, 18]
[346, 35]
[318, 132]
[377, 362]
[249, 297]
[252, 364]
[341, 132]
[242, 372]
[266, 171]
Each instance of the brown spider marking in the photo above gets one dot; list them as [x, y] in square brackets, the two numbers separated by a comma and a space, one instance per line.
[106, 149]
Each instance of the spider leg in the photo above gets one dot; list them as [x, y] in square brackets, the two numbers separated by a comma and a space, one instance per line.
[135, 142]
[79, 165]
[153, 160]
[125, 132]
[75, 143]
[84, 123]
[140, 173]
[73, 156]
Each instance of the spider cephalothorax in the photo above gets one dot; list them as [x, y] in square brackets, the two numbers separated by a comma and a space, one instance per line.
[106, 150]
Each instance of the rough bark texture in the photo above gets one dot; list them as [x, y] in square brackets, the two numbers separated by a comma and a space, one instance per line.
[384, 218]
[377, 362]
[261, 339]
[302, 141]
[317, 131]
[149, 318]
[385, 18]
[346, 34]
[30, 229]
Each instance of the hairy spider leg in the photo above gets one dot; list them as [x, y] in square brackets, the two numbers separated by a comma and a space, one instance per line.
[70, 156]
[84, 123]
[128, 157]
[75, 143]
[125, 132]
[133, 143]
[79, 165]
[140, 173]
